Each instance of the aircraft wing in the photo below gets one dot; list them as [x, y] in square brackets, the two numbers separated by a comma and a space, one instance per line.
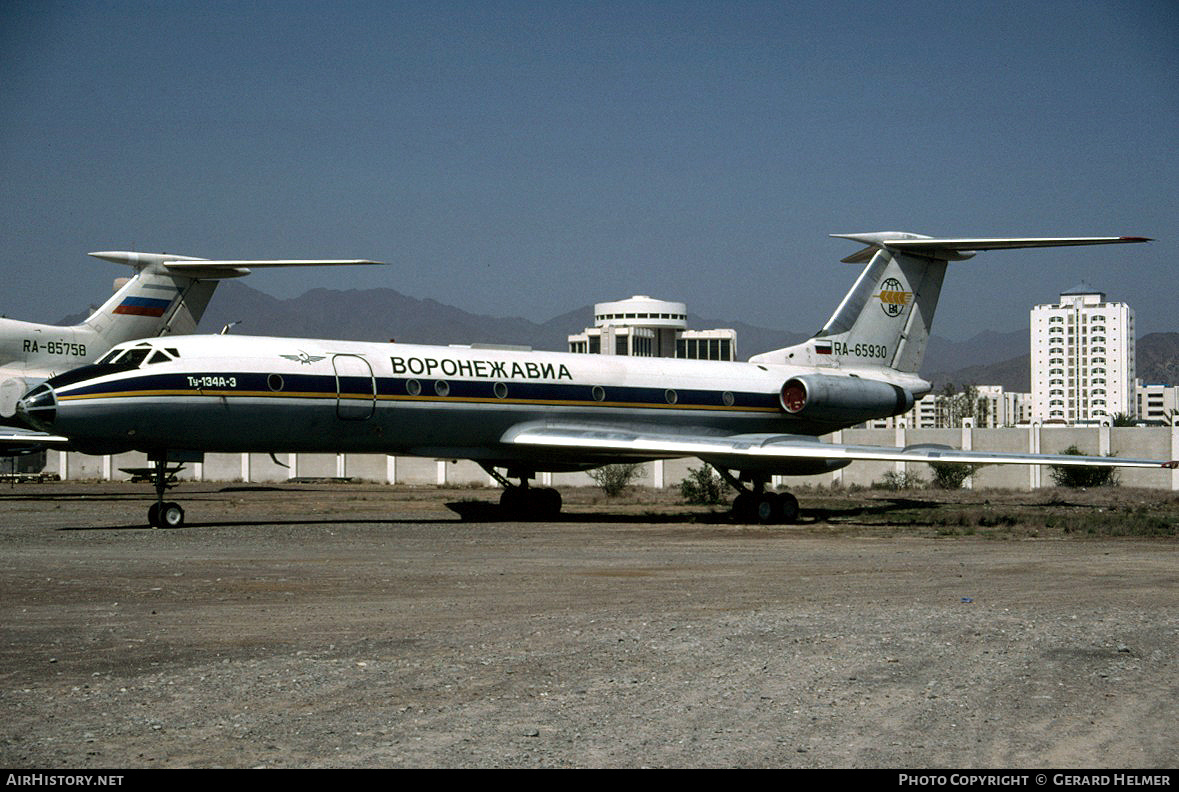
[20, 441]
[762, 451]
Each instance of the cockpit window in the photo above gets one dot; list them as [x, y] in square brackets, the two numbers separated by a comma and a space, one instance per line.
[136, 355]
[133, 357]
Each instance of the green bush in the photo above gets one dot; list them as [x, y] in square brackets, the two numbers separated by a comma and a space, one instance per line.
[614, 479]
[898, 481]
[951, 475]
[703, 486]
[1079, 477]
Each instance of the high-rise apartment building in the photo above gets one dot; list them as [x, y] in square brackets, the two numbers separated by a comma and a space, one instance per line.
[1082, 353]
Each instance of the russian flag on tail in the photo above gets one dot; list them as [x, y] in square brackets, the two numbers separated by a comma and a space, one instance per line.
[143, 306]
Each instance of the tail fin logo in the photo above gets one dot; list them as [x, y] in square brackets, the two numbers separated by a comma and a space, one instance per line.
[893, 297]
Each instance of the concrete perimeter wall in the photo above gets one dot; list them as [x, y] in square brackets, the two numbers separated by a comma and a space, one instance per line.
[1134, 442]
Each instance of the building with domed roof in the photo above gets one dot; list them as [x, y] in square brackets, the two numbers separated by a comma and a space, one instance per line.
[642, 326]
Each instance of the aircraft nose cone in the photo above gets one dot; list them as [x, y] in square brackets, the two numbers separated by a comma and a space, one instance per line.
[38, 408]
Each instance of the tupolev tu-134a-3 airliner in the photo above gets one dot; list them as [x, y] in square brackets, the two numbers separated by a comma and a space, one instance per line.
[517, 413]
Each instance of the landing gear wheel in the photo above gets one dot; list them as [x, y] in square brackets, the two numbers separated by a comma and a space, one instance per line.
[171, 515]
[743, 507]
[789, 508]
[163, 514]
[521, 502]
[526, 503]
[513, 501]
[546, 503]
[765, 508]
[768, 508]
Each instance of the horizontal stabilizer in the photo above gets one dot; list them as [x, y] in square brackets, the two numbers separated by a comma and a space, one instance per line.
[960, 248]
[211, 268]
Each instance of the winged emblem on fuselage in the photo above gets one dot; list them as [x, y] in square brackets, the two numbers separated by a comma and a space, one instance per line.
[303, 358]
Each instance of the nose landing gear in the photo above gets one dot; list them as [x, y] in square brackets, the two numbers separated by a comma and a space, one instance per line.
[163, 514]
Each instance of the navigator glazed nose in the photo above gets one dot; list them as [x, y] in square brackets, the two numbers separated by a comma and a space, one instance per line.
[38, 407]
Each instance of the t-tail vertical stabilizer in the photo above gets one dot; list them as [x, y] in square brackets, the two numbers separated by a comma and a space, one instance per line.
[156, 301]
[885, 320]
[169, 293]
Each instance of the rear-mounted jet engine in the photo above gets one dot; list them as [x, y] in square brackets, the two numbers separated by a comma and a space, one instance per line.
[822, 397]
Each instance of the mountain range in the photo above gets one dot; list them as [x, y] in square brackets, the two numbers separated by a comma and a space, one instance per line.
[989, 358]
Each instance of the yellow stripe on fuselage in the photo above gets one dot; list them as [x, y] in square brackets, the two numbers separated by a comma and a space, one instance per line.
[407, 398]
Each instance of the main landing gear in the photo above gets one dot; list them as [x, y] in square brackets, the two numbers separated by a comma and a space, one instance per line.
[522, 502]
[755, 505]
[163, 514]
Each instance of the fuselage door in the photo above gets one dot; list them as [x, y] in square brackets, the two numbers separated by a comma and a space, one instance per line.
[356, 390]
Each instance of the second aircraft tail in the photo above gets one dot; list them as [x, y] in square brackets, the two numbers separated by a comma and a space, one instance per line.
[169, 293]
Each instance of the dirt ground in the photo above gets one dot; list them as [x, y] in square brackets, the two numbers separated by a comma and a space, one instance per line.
[330, 625]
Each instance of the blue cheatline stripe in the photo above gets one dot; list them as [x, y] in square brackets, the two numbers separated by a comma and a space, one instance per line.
[397, 388]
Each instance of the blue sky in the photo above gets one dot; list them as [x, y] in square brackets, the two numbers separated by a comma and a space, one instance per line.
[524, 159]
